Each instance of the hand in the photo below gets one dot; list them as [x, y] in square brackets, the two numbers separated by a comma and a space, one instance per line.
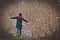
[9, 17]
[28, 22]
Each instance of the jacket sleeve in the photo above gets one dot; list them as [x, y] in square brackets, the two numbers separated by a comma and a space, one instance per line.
[13, 18]
[25, 20]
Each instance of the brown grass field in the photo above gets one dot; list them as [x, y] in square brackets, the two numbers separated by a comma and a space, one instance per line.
[43, 16]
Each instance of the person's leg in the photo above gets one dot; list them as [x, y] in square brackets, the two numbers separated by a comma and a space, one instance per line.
[18, 31]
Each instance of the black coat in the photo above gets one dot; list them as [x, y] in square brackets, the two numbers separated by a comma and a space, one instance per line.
[19, 21]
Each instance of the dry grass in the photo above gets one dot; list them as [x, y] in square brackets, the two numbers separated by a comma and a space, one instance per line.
[43, 17]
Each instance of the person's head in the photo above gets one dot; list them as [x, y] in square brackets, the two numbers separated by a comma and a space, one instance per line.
[20, 14]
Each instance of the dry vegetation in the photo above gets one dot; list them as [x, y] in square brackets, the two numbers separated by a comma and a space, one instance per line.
[44, 20]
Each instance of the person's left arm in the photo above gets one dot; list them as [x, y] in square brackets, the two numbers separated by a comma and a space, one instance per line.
[13, 17]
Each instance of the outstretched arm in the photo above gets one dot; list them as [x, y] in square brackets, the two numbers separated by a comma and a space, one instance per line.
[13, 18]
[25, 20]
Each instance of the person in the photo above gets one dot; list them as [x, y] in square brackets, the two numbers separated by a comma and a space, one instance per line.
[19, 22]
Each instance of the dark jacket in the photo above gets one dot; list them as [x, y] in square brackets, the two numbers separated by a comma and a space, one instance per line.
[19, 21]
